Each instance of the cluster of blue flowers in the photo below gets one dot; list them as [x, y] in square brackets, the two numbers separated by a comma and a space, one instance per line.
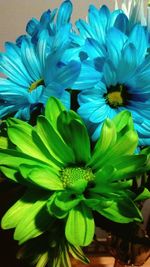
[104, 62]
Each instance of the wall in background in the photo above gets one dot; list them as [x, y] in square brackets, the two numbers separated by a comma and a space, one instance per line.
[14, 14]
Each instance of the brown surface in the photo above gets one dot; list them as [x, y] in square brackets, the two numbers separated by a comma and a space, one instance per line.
[105, 262]
[96, 261]
[117, 264]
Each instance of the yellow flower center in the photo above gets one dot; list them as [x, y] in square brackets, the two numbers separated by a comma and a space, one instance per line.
[115, 99]
[35, 84]
[117, 96]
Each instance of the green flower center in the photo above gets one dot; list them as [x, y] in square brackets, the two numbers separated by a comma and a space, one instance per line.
[76, 178]
[35, 84]
[117, 96]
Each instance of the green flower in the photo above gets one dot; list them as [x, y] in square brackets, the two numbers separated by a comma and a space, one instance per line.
[65, 179]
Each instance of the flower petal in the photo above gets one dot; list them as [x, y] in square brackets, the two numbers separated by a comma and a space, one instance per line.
[75, 133]
[53, 142]
[64, 13]
[29, 143]
[15, 214]
[80, 226]
[52, 110]
[46, 177]
[34, 221]
[107, 139]
[122, 210]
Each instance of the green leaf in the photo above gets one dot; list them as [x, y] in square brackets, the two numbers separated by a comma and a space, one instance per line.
[34, 221]
[143, 196]
[122, 210]
[53, 109]
[46, 177]
[54, 144]
[80, 226]
[75, 133]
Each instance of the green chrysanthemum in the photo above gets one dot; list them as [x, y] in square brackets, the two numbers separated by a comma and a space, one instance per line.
[65, 179]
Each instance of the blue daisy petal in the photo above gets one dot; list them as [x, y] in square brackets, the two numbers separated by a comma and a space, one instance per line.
[110, 74]
[125, 73]
[64, 13]
[94, 48]
[31, 26]
[122, 23]
[30, 60]
[12, 66]
[128, 63]
[98, 24]
[36, 71]
[135, 37]
[98, 20]
[114, 47]
[88, 77]
[51, 21]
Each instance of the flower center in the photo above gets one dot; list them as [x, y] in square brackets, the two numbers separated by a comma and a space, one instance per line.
[117, 96]
[35, 84]
[76, 178]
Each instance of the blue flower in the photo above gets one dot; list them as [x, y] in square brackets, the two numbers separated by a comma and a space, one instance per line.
[125, 83]
[36, 72]
[50, 20]
[99, 22]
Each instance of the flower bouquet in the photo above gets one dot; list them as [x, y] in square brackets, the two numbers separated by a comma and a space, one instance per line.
[75, 133]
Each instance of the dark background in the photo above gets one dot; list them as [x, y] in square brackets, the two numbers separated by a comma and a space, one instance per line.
[9, 194]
